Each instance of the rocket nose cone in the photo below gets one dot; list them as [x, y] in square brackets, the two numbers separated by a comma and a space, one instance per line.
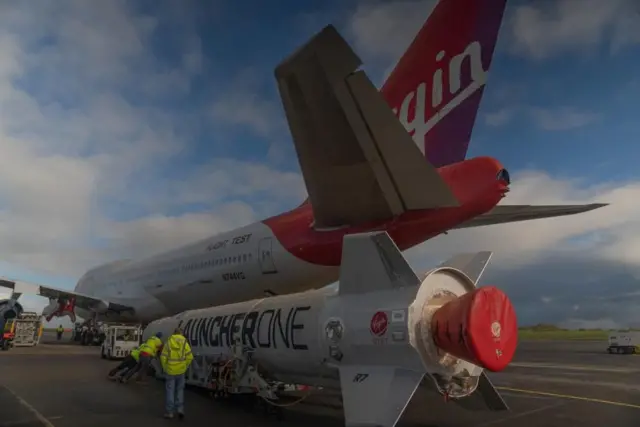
[479, 327]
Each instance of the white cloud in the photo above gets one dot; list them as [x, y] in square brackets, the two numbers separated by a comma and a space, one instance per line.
[385, 29]
[561, 118]
[500, 117]
[548, 119]
[89, 134]
[544, 29]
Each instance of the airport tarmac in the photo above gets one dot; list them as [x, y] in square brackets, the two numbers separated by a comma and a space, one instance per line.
[549, 384]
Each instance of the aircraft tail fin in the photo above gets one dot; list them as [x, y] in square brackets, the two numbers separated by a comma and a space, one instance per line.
[436, 87]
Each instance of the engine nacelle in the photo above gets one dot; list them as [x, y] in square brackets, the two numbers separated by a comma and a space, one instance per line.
[10, 309]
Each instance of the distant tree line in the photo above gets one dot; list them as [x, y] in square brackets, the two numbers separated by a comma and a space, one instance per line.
[545, 327]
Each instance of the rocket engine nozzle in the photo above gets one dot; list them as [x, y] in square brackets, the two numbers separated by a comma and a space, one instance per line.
[479, 327]
[458, 328]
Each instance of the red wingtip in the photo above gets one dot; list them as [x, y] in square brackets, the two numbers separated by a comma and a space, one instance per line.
[437, 85]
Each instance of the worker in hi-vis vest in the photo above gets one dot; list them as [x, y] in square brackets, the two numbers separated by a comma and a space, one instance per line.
[175, 359]
[148, 350]
[126, 365]
[59, 332]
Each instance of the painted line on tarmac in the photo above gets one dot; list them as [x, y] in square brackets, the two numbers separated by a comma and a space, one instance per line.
[569, 396]
[45, 422]
[571, 367]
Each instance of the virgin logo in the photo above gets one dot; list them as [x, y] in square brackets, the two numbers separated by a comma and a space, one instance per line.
[427, 113]
[379, 323]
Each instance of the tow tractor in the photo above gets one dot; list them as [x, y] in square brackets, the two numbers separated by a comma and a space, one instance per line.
[119, 340]
[624, 342]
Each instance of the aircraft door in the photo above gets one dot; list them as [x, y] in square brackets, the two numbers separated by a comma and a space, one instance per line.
[265, 256]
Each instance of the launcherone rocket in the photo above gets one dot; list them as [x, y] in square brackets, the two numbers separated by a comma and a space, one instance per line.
[380, 336]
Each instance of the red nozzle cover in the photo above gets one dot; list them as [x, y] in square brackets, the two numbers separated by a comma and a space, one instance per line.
[479, 327]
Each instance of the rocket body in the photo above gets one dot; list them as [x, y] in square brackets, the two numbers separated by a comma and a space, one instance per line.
[303, 338]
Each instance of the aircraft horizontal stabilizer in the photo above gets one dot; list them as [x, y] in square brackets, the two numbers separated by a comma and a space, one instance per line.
[358, 162]
[75, 299]
[372, 262]
[503, 214]
[376, 395]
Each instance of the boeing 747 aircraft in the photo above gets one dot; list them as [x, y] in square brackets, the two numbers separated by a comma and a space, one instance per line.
[372, 160]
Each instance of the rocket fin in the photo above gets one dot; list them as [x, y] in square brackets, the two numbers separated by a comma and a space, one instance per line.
[490, 396]
[471, 264]
[373, 262]
[484, 398]
[376, 395]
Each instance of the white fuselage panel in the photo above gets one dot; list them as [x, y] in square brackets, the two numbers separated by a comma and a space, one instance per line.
[242, 264]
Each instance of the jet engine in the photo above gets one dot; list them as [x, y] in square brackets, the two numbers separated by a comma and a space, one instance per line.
[10, 308]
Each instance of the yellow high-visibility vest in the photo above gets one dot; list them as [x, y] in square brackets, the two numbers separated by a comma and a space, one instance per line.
[176, 355]
[135, 353]
[151, 346]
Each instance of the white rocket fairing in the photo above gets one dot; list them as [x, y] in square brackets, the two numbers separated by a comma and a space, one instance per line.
[375, 338]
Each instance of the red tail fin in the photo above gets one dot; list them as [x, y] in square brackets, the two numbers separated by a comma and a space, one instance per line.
[437, 85]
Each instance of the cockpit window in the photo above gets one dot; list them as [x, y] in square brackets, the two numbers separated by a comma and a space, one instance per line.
[503, 175]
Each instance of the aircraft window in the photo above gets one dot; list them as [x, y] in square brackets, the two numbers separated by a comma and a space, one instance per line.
[244, 258]
[234, 259]
[249, 256]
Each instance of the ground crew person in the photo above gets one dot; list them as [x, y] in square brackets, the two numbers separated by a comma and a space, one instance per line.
[175, 359]
[148, 350]
[59, 332]
[127, 364]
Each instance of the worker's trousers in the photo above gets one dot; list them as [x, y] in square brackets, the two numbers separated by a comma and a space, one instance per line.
[174, 393]
[141, 368]
[127, 364]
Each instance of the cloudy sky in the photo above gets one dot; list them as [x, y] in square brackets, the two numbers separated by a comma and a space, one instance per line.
[127, 128]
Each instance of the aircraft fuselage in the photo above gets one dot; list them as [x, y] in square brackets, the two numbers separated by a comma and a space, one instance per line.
[281, 255]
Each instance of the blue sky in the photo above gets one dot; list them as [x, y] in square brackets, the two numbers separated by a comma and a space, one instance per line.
[131, 127]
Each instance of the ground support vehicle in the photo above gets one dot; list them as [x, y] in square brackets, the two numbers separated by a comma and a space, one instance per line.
[120, 340]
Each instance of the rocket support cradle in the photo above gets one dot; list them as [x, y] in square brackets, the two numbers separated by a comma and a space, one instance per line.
[380, 337]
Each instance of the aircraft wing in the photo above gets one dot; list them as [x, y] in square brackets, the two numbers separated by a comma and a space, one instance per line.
[67, 301]
[358, 162]
[502, 214]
